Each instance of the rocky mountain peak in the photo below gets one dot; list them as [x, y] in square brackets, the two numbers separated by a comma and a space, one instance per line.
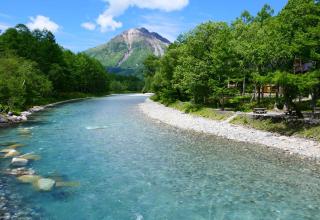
[127, 51]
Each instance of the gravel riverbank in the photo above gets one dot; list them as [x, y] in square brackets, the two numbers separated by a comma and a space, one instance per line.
[292, 145]
[9, 119]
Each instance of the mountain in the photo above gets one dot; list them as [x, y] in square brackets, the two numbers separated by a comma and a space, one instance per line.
[125, 53]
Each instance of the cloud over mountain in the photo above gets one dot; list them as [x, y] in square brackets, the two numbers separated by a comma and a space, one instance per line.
[106, 20]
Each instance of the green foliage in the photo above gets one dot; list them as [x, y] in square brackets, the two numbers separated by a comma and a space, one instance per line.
[191, 107]
[35, 69]
[122, 84]
[199, 110]
[21, 83]
[224, 65]
[282, 127]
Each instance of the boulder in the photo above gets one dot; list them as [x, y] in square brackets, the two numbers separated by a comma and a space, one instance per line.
[20, 171]
[19, 162]
[45, 184]
[28, 178]
[22, 118]
[11, 153]
[6, 150]
[26, 113]
[36, 109]
[13, 118]
[3, 119]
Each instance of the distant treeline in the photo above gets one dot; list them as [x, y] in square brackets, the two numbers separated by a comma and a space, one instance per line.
[121, 83]
[35, 69]
[236, 64]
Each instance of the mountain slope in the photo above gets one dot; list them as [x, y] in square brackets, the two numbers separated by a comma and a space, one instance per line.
[125, 53]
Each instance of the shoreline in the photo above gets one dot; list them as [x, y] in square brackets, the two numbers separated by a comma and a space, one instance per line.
[305, 148]
[23, 117]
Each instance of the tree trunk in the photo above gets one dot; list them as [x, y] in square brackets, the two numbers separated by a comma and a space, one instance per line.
[313, 102]
[222, 103]
[244, 86]
[259, 94]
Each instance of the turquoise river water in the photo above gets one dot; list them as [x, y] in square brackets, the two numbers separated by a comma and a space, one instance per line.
[132, 167]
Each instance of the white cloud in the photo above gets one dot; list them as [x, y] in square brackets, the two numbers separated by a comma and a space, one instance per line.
[106, 21]
[43, 23]
[89, 26]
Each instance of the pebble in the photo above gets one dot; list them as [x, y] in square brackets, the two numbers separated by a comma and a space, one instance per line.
[295, 145]
[11, 204]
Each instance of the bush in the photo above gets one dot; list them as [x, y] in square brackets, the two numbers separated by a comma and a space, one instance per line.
[167, 97]
[238, 100]
[155, 98]
[190, 107]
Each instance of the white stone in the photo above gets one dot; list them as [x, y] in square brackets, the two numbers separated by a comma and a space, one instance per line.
[300, 146]
[19, 162]
[12, 153]
[23, 118]
[28, 178]
[45, 184]
[26, 113]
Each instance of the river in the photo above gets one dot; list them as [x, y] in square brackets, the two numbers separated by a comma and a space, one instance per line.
[131, 167]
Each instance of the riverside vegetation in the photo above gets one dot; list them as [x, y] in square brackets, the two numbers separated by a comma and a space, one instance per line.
[35, 70]
[266, 60]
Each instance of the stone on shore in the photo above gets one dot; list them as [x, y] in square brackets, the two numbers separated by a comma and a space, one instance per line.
[295, 145]
[45, 184]
[3, 119]
[19, 162]
[25, 113]
[28, 178]
[36, 109]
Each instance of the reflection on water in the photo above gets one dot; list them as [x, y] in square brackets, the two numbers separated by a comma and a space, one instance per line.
[130, 167]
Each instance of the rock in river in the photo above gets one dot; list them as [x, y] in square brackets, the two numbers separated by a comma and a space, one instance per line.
[28, 178]
[45, 184]
[20, 171]
[19, 162]
[11, 153]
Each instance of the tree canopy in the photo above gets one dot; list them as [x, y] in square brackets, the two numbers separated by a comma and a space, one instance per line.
[34, 68]
[218, 61]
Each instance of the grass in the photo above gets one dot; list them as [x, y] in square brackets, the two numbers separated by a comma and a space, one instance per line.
[299, 129]
[202, 111]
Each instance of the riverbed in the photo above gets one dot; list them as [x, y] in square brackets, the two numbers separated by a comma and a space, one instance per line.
[129, 166]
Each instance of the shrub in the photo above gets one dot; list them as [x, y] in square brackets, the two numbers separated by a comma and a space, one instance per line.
[190, 107]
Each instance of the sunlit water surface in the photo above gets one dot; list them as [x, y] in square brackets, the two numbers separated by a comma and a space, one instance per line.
[132, 167]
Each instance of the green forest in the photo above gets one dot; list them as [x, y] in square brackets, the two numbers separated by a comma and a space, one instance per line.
[262, 60]
[34, 69]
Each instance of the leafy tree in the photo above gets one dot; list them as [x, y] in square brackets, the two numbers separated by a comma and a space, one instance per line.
[46, 70]
[22, 83]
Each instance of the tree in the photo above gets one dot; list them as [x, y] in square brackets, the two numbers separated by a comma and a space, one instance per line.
[22, 83]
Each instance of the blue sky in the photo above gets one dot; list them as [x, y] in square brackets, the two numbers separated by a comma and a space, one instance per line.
[79, 25]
